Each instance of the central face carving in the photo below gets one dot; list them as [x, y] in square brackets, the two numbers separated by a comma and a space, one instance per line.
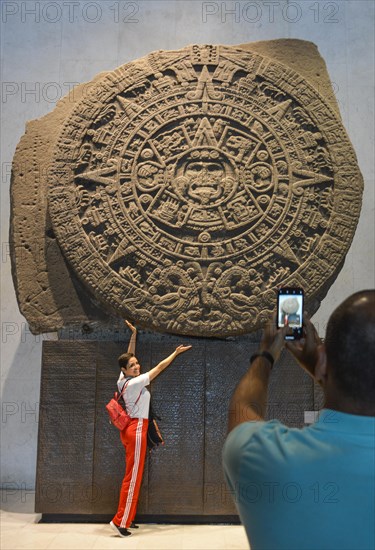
[204, 178]
[205, 181]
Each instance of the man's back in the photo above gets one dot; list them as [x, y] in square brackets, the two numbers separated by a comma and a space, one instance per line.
[305, 489]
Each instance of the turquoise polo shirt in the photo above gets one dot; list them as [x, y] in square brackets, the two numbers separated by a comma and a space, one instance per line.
[304, 489]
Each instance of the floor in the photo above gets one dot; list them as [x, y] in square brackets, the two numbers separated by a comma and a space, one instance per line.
[20, 529]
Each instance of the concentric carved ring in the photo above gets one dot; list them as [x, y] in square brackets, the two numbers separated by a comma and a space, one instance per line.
[189, 185]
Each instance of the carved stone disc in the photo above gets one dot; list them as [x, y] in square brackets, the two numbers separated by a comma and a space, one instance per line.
[188, 185]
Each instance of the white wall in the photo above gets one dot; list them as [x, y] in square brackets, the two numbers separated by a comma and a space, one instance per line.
[48, 45]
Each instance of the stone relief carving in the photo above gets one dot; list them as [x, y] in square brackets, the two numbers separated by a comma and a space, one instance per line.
[187, 186]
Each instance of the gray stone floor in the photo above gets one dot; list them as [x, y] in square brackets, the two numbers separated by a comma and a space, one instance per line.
[20, 530]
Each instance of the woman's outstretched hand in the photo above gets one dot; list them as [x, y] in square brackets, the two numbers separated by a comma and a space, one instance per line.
[182, 349]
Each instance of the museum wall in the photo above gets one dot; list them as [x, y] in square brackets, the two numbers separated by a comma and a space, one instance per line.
[49, 47]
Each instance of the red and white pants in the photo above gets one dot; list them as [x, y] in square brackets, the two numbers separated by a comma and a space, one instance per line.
[134, 439]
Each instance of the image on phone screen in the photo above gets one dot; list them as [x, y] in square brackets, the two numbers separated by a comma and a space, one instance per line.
[289, 311]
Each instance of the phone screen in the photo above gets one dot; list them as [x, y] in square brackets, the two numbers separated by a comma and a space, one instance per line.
[290, 310]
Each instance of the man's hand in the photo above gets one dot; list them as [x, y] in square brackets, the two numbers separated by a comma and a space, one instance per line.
[306, 350]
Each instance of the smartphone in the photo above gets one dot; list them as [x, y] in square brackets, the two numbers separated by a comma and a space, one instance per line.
[290, 311]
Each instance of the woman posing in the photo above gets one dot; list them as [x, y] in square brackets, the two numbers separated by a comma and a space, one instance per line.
[134, 437]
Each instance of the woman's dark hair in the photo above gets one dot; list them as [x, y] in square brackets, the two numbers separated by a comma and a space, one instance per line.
[350, 346]
[123, 360]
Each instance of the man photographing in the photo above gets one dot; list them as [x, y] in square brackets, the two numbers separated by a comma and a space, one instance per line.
[310, 488]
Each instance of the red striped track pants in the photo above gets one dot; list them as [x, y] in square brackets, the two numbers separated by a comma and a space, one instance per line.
[134, 439]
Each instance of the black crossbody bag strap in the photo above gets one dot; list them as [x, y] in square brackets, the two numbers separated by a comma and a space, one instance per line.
[123, 391]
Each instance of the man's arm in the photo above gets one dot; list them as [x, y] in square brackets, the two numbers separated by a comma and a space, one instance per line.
[133, 337]
[249, 400]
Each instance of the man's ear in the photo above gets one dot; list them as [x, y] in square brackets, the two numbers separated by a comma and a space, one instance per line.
[321, 364]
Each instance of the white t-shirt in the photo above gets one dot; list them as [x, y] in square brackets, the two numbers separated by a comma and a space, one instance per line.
[135, 386]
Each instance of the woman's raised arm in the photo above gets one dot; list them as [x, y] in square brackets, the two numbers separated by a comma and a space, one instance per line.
[133, 337]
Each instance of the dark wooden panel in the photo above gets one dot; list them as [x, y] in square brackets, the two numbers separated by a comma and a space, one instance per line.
[108, 460]
[226, 362]
[66, 428]
[175, 479]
